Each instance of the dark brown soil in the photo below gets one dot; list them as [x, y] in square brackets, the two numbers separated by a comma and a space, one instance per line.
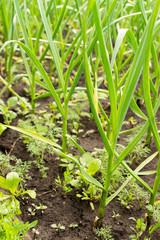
[70, 209]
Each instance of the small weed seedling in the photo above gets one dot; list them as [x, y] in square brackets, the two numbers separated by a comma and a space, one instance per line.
[5, 110]
[139, 151]
[141, 194]
[104, 233]
[126, 197]
[73, 225]
[76, 111]
[41, 207]
[10, 207]
[58, 227]
[73, 178]
[11, 163]
[44, 126]
[64, 184]
[91, 194]
[140, 228]
[155, 209]
[132, 121]
[115, 215]
[35, 231]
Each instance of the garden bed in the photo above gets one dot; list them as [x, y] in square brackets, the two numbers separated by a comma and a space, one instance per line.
[68, 210]
[79, 119]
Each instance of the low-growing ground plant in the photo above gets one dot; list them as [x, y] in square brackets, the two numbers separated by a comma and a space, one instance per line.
[5, 110]
[76, 111]
[89, 192]
[140, 228]
[156, 216]
[58, 227]
[139, 151]
[73, 179]
[115, 215]
[140, 194]
[105, 232]
[10, 226]
[34, 208]
[65, 184]
[44, 126]
[9, 162]
[126, 197]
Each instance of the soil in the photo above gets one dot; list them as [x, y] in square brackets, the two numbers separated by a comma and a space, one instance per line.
[70, 209]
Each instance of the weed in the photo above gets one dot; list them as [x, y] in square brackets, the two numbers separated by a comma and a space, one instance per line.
[65, 184]
[73, 225]
[155, 210]
[35, 231]
[118, 175]
[139, 151]
[7, 113]
[141, 194]
[32, 211]
[70, 144]
[140, 228]
[132, 192]
[91, 194]
[76, 111]
[126, 197]
[104, 233]
[44, 126]
[58, 227]
[11, 163]
[132, 121]
[10, 207]
[74, 179]
[115, 215]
